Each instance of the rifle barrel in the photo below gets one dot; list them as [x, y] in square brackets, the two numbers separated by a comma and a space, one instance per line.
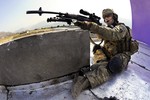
[40, 12]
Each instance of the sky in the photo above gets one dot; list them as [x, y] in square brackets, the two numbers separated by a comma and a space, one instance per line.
[13, 12]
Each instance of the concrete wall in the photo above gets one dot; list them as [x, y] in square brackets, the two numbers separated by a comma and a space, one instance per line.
[42, 57]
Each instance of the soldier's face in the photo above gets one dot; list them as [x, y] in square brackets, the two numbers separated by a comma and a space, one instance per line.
[109, 20]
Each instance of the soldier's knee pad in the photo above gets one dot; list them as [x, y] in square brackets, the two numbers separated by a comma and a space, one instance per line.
[115, 64]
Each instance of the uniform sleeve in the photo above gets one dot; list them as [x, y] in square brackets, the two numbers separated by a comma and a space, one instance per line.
[113, 34]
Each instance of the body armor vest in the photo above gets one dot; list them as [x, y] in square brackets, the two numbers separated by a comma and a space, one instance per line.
[112, 48]
[124, 44]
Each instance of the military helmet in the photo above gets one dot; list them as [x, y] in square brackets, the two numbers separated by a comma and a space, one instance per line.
[107, 12]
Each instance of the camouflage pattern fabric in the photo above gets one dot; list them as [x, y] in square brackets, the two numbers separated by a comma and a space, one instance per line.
[99, 75]
[98, 56]
[102, 73]
[111, 36]
[81, 83]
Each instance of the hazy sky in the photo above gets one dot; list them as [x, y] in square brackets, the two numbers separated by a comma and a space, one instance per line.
[13, 12]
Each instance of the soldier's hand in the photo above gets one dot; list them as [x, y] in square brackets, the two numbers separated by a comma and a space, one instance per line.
[83, 25]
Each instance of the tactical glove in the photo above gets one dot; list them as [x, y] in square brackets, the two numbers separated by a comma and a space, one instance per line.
[83, 25]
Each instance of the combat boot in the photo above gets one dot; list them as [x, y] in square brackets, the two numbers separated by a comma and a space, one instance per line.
[81, 84]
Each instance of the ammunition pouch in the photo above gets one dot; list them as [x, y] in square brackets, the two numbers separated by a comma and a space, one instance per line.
[128, 45]
[134, 46]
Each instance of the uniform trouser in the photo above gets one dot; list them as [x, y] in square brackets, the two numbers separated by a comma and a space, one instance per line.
[99, 74]
[103, 73]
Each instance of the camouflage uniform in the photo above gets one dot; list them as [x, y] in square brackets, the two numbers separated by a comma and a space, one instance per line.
[115, 46]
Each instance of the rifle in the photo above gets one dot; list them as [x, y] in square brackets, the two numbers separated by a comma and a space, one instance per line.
[66, 17]
[56, 19]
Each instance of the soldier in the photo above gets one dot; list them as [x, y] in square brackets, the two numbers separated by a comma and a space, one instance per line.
[110, 59]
